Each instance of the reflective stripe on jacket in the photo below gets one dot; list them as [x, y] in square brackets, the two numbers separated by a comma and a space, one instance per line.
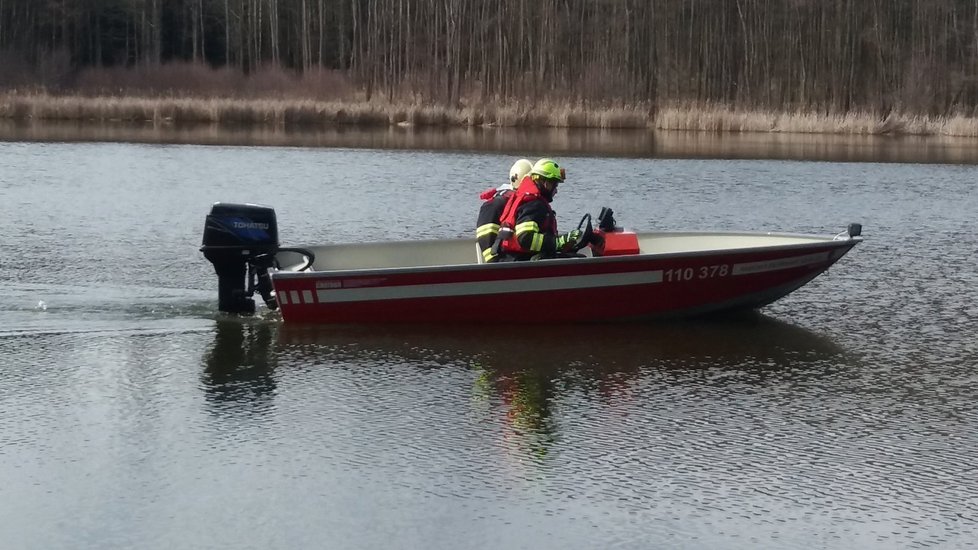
[532, 222]
[487, 224]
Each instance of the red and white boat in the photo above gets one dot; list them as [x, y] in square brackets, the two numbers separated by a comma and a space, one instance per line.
[621, 276]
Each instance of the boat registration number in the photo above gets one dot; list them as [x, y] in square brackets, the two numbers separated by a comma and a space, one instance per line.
[680, 274]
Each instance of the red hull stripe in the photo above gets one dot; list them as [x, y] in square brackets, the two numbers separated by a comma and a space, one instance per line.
[480, 288]
[750, 268]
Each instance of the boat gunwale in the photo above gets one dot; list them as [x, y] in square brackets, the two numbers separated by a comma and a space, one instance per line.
[823, 242]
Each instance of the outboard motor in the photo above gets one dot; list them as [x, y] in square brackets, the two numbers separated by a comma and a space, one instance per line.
[241, 241]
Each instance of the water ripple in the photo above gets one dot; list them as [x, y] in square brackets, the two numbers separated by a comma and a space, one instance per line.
[133, 415]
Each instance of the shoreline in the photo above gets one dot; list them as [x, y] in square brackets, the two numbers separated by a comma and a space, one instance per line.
[318, 114]
[563, 142]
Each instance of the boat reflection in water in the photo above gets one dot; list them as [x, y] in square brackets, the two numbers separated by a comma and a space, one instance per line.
[519, 376]
[238, 368]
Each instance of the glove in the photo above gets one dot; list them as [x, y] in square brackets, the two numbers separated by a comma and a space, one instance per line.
[567, 241]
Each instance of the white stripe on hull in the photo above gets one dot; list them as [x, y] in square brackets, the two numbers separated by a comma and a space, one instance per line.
[480, 288]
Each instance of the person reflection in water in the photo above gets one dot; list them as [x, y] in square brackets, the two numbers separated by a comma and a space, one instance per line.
[527, 395]
[239, 368]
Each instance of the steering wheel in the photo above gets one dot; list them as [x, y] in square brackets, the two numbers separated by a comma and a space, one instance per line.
[587, 232]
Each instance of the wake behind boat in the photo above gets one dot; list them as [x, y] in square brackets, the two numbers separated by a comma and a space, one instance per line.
[619, 276]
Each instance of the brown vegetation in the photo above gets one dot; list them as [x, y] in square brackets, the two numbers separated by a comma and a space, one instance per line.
[306, 112]
[852, 66]
[310, 113]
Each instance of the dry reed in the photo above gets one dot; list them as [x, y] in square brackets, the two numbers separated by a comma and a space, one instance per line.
[718, 118]
[313, 113]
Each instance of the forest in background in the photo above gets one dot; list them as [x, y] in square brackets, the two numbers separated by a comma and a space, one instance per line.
[822, 56]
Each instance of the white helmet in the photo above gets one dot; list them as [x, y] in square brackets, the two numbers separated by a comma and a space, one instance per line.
[519, 171]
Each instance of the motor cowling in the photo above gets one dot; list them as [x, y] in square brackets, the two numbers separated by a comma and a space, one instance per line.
[241, 241]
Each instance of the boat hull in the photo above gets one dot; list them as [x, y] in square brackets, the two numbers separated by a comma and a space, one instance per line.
[606, 289]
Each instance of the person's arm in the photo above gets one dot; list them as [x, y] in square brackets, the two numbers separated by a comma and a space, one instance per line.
[530, 218]
[487, 227]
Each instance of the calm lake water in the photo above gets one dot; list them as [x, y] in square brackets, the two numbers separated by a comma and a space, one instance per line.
[134, 416]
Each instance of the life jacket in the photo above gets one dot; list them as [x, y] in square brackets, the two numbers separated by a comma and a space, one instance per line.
[487, 223]
[494, 192]
[489, 194]
[526, 192]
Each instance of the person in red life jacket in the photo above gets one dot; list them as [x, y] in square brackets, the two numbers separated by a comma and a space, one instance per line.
[528, 226]
[493, 202]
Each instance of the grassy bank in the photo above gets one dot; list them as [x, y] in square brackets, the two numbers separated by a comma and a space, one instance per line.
[309, 113]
